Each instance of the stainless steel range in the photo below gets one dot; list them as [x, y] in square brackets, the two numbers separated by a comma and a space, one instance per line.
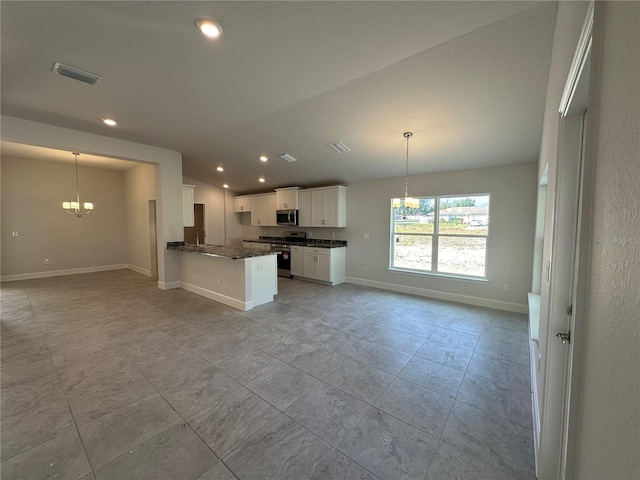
[284, 247]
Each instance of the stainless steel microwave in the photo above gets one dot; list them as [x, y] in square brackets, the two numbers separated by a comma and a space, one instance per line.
[287, 217]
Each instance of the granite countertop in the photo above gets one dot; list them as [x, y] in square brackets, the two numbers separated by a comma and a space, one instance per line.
[310, 242]
[234, 253]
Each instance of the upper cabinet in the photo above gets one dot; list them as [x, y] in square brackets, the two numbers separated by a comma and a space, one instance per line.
[323, 207]
[287, 198]
[317, 207]
[241, 204]
[263, 210]
[188, 218]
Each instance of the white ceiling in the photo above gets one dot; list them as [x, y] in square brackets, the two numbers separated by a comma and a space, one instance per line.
[468, 78]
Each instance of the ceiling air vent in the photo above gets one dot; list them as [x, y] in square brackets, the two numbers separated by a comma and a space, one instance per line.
[339, 147]
[287, 157]
[75, 73]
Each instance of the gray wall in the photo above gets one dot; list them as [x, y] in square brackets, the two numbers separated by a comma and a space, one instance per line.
[32, 196]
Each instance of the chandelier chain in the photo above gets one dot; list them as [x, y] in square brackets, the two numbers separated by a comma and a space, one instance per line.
[407, 135]
[76, 208]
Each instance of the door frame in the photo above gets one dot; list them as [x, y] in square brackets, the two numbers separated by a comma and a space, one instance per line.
[153, 239]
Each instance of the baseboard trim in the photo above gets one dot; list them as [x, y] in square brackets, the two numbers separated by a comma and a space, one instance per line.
[218, 297]
[452, 297]
[60, 273]
[169, 285]
[143, 271]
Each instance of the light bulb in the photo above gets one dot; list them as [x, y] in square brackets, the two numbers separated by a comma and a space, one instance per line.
[209, 28]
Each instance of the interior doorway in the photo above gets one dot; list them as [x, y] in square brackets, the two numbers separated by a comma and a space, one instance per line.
[197, 233]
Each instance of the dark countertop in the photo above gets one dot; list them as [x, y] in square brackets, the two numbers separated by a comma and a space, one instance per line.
[309, 242]
[234, 253]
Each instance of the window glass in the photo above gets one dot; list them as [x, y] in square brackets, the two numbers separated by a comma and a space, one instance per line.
[446, 234]
[462, 255]
[467, 215]
[412, 252]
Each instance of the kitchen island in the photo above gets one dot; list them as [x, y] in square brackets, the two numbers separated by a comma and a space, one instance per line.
[242, 278]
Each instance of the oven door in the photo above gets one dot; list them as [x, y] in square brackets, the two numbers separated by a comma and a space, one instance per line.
[284, 261]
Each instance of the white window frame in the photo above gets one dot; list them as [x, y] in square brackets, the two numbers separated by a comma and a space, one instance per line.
[435, 236]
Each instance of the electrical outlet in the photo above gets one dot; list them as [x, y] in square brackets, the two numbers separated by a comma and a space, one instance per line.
[505, 287]
[365, 236]
[14, 233]
[366, 269]
[46, 261]
[333, 234]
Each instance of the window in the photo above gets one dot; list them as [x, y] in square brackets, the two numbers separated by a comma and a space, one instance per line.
[445, 235]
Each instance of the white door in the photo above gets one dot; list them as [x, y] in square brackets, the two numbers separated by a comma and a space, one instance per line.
[558, 313]
[574, 324]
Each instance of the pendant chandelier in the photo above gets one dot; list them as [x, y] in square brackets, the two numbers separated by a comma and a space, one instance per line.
[407, 204]
[73, 208]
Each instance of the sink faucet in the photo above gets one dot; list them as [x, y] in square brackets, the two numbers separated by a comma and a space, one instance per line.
[204, 235]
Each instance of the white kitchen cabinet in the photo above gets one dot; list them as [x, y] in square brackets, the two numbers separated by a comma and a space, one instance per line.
[304, 208]
[188, 196]
[323, 207]
[317, 266]
[241, 204]
[321, 264]
[263, 210]
[297, 261]
[287, 198]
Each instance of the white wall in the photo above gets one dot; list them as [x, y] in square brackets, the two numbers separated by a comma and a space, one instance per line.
[168, 177]
[511, 232]
[32, 196]
[608, 440]
[140, 187]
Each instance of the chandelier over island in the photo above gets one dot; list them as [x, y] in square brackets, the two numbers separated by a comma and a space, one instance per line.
[73, 208]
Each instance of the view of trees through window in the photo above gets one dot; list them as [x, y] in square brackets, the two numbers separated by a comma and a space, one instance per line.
[446, 234]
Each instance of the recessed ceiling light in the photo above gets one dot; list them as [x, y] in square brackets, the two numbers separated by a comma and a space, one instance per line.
[263, 158]
[220, 169]
[110, 121]
[226, 185]
[209, 28]
[261, 180]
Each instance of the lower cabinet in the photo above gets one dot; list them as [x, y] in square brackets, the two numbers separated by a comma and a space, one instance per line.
[297, 261]
[321, 264]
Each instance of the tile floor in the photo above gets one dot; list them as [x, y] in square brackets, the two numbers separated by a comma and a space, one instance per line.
[104, 376]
